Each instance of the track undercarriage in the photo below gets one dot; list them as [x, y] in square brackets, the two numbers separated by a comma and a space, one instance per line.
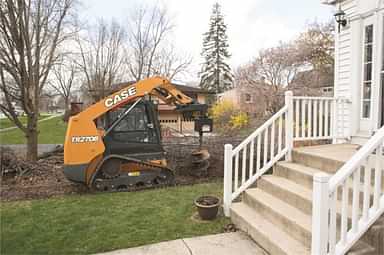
[118, 173]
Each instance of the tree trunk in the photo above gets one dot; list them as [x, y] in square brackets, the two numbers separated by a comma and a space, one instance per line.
[31, 135]
[66, 104]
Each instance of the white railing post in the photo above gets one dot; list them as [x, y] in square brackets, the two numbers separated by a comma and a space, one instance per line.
[334, 118]
[320, 207]
[227, 179]
[289, 124]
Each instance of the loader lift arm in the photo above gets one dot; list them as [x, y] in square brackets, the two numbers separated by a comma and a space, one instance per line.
[84, 143]
[155, 86]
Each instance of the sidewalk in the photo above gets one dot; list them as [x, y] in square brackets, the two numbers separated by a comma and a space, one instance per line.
[220, 244]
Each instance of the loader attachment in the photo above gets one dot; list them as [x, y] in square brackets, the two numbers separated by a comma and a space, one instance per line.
[199, 162]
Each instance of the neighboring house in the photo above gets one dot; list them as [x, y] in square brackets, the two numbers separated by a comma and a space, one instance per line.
[51, 103]
[249, 99]
[311, 178]
[232, 95]
[15, 104]
[313, 83]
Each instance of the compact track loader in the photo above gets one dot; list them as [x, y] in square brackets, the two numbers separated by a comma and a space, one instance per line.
[115, 144]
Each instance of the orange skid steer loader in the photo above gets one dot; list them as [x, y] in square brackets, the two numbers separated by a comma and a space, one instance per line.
[115, 144]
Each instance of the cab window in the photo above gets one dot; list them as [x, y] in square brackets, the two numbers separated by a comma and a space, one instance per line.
[135, 127]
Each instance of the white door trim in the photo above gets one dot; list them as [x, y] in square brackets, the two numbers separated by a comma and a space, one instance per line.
[366, 119]
[380, 71]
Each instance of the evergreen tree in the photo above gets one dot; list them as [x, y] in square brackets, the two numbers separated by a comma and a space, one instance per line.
[216, 75]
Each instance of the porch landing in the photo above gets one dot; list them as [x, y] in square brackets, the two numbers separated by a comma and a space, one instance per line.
[336, 152]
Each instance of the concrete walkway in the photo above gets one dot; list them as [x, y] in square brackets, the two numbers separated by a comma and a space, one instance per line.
[220, 244]
[14, 127]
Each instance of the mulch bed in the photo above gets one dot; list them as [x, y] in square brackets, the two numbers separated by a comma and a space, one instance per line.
[22, 180]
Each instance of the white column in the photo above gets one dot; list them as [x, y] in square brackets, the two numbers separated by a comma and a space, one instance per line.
[289, 124]
[320, 207]
[227, 200]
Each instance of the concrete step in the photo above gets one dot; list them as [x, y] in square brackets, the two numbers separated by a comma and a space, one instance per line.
[362, 248]
[303, 175]
[287, 217]
[296, 195]
[375, 236]
[300, 174]
[316, 161]
[319, 158]
[269, 236]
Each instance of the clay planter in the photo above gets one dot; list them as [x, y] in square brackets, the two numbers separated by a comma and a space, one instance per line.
[207, 206]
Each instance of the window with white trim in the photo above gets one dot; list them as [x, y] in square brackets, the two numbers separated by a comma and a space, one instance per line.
[367, 72]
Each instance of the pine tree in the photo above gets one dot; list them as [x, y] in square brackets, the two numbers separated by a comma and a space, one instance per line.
[216, 75]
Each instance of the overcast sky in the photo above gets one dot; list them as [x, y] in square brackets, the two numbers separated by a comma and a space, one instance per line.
[252, 24]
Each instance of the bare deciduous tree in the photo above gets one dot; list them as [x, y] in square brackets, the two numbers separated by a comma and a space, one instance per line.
[316, 45]
[64, 77]
[169, 64]
[101, 57]
[316, 49]
[30, 34]
[273, 70]
[249, 81]
[149, 51]
[277, 65]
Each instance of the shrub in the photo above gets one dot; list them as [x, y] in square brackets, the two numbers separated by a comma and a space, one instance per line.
[227, 117]
[240, 120]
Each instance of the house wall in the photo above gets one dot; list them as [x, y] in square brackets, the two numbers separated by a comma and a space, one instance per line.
[256, 107]
[349, 63]
[256, 104]
[230, 95]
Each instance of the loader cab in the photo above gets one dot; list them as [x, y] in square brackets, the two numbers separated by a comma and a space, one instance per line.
[137, 135]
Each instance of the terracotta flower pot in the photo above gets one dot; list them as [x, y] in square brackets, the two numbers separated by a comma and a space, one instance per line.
[207, 207]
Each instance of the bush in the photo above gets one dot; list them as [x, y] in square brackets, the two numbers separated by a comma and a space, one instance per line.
[240, 120]
[227, 117]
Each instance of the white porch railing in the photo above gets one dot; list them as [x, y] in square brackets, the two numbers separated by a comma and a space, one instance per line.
[335, 231]
[318, 118]
[258, 153]
[302, 118]
[315, 118]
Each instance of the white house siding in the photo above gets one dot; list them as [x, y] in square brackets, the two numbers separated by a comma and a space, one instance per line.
[343, 67]
[348, 60]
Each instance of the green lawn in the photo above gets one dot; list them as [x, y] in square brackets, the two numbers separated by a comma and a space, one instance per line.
[51, 131]
[102, 222]
[6, 123]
